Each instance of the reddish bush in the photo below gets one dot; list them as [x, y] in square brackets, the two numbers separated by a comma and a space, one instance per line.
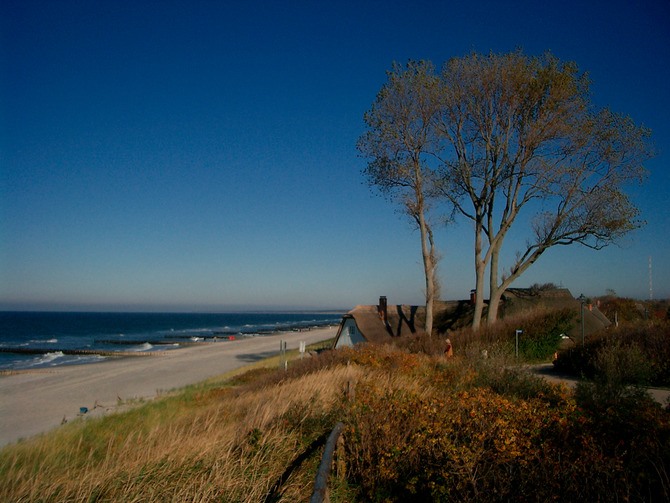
[622, 309]
[432, 442]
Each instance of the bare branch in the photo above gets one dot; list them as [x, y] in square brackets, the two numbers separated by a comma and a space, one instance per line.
[518, 130]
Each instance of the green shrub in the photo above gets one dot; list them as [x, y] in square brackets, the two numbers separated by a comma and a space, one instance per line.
[653, 339]
[629, 424]
[541, 334]
[616, 392]
[649, 342]
[539, 340]
[518, 383]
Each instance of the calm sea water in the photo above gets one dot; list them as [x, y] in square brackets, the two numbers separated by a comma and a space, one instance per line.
[54, 332]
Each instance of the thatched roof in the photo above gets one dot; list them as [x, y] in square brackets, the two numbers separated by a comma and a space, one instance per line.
[402, 321]
[520, 299]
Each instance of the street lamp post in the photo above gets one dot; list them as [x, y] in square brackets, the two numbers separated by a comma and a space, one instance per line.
[582, 299]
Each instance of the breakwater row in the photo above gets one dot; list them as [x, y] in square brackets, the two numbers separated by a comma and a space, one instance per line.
[47, 339]
[77, 352]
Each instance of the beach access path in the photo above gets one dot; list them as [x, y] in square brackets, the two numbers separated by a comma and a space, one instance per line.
[38, 401]
[547, 371]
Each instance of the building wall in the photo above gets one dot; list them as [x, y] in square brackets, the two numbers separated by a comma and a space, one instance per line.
[349, 335]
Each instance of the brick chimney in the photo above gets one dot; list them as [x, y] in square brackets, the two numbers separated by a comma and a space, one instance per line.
[382, 309]
[473, 297]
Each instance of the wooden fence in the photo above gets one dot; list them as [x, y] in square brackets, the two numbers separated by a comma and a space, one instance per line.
[320, 494]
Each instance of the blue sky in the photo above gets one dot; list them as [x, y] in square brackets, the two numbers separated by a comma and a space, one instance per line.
[200, 155]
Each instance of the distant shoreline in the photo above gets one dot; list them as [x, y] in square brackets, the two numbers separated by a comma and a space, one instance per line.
[242, 311]
[51, 339]
[35, 402]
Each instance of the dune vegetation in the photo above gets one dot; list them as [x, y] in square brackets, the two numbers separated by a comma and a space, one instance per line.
[418, 427]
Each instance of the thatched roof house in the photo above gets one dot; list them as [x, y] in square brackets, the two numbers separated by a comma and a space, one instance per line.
[382, 324]
[379, 324]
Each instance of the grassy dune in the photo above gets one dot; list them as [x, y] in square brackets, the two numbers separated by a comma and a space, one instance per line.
[213, 442]
[418, 427]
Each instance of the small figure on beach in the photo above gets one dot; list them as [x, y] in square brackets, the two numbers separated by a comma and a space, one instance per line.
[449, 351]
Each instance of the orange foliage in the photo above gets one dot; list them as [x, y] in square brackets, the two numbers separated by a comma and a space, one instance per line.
[445, 441]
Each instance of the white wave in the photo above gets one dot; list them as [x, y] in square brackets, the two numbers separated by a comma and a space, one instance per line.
[49, 357]
[43, 341]
[196, 339]
[188, 331]
[78, 359]
[144, 347]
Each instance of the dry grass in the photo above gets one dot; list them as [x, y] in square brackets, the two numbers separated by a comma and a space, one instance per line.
[207, 444]
[417, 428]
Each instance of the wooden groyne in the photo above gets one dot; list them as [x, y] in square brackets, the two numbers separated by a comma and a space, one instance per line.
[41, 351]
[134, 342]
[215, 337]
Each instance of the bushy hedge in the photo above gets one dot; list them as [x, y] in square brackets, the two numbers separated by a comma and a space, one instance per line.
[539, 340]
[541, 334]
[643, 353]
[448, 436]
[631, 310]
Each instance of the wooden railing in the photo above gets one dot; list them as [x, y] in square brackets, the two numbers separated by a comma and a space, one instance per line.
[320, 494]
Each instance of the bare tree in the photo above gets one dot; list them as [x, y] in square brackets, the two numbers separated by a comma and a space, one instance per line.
[399, 143]
[521, 133]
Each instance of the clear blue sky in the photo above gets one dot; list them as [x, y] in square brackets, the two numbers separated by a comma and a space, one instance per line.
[200, 155]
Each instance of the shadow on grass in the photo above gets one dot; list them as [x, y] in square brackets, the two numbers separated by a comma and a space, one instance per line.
[255, 357]
[275, 492]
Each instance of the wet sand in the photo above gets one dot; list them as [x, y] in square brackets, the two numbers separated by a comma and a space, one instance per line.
[38, 401]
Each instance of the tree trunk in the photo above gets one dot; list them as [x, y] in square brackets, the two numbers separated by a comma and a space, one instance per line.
[494, 294]
[498, 290]
[429, 269]
[430, 298]
[494, 303]
[480, 269]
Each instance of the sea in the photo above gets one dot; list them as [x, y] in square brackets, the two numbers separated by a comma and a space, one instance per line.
[34, 340]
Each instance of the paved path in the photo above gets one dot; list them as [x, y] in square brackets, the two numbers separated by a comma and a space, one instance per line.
[35, 402]
[547, 371]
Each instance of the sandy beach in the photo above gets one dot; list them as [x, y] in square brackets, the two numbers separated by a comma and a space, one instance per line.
[38, 401]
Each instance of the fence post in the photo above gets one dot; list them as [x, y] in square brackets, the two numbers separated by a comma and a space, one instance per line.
[341, 466]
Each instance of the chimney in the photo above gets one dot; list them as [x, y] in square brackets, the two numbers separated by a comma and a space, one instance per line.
[473, 297]
[382, 309]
